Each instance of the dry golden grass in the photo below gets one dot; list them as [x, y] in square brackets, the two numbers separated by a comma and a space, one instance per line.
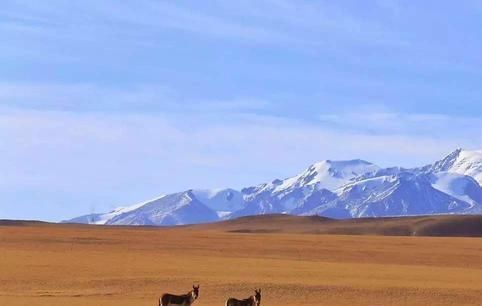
[54, 265]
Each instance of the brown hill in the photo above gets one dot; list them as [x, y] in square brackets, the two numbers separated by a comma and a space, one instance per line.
[448, 226]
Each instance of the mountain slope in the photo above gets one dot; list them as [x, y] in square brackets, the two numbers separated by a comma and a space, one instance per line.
[406, 195]
[285, 196]
[460, 162]
[104, 218]
[175, 209]
[462, 187]
[222, 201]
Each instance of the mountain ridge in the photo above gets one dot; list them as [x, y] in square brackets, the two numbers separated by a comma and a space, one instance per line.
[337, 189]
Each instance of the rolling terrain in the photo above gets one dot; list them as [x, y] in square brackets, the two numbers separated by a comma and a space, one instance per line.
[68, 264]
[443, 226]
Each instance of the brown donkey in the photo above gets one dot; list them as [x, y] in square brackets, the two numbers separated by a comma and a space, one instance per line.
[254, 300]
[181, 300]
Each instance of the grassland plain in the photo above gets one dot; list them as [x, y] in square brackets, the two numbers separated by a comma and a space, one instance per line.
[54, 265]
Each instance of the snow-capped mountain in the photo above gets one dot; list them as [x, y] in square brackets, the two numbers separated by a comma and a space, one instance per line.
[174, 209]
[460, 162]
[326, 175]
[337, 189]
[395, 195]
[282, 196]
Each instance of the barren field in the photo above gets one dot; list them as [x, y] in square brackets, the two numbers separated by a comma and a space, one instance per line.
[53, 265]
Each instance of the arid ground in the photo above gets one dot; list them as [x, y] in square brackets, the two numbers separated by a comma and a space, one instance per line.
[74, 265]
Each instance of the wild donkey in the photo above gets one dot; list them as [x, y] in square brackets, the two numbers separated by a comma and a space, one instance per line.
[182, 300]
[254, 300]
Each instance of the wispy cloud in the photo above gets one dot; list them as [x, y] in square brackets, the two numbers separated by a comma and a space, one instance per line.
[313, 24]
[136, 98]
[83, 96]
[318, 20]
[436, 126]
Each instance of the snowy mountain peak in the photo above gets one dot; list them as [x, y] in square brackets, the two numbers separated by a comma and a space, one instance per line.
[445, 163]
[173, 209]
[460, 161]
[329, 174]
[345, 169]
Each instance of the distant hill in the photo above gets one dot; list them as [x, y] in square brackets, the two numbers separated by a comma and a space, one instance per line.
[443, 226]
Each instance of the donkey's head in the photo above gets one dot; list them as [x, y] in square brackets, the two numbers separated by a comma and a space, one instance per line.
[195, 291]
[257, 296]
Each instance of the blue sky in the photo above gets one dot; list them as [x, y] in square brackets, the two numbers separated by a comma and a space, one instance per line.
[109, 103]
